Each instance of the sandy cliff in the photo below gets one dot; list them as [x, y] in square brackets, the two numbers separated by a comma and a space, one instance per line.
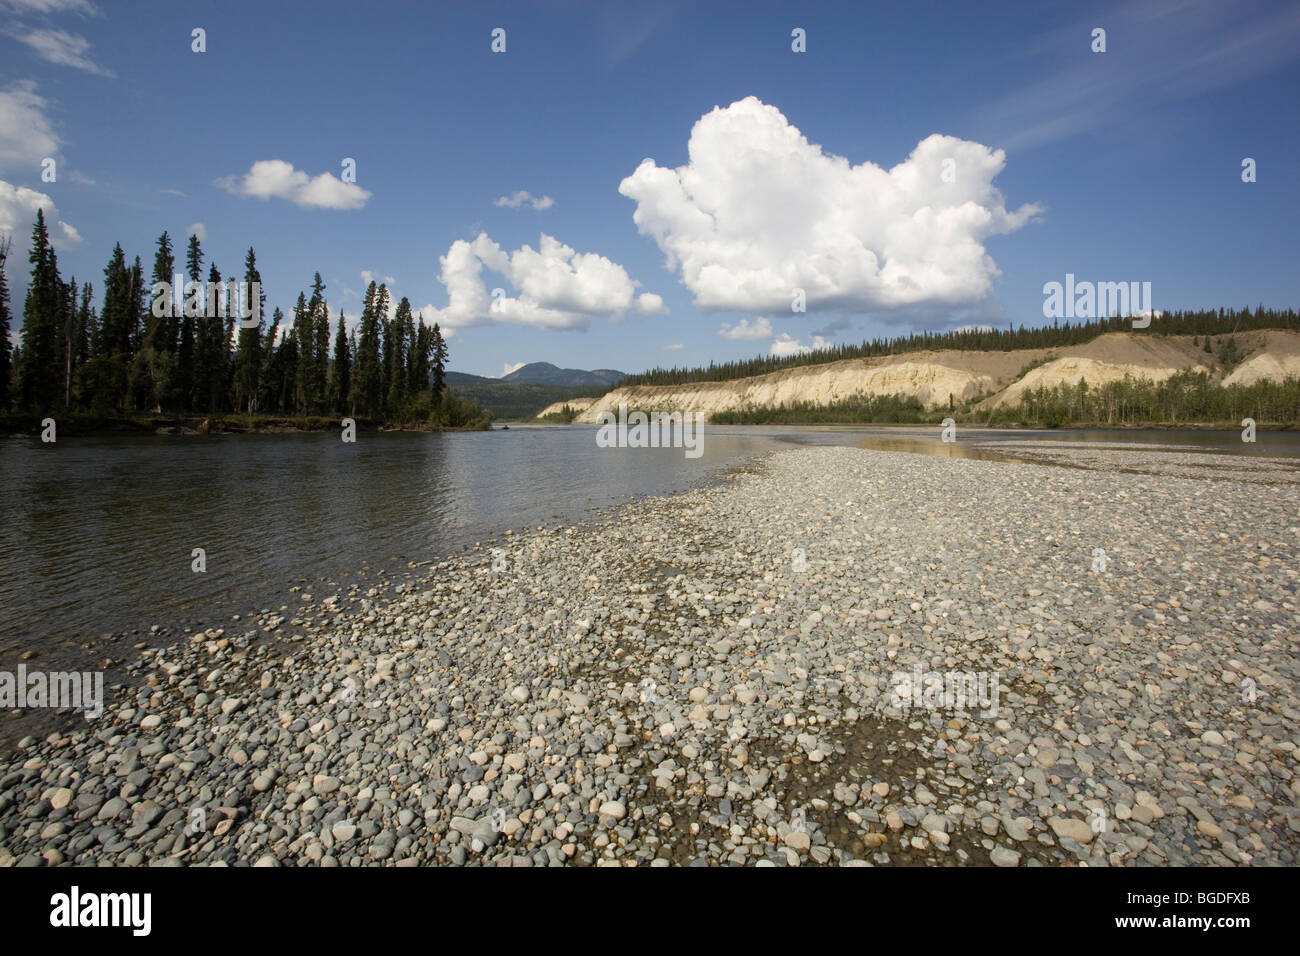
[933, 376]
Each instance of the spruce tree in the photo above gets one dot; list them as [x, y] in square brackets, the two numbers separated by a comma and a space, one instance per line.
[367, 385]
[320, 347]
[198, 361]
[217, 340]
[341, 374]
[399, 337]
[248, 359]
[439, 363]
[302, 332]
[43, 313]
[160, 333]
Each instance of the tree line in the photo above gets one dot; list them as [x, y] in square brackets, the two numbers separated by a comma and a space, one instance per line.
[1187, 397]
[1204, 322]
[140, 352]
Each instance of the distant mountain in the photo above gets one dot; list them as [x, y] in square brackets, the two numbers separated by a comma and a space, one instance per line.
[520, 395]
[544, 373]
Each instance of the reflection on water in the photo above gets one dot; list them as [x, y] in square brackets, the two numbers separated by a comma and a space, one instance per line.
[96, 534]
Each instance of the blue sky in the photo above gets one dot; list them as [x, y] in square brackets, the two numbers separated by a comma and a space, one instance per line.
[1117, 166]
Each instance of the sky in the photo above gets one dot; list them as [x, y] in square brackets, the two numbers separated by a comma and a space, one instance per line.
[630, 185]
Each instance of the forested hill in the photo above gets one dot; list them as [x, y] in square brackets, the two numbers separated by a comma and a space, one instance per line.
[1207, 322]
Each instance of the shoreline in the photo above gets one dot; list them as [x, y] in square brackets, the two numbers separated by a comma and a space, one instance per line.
[82, 425]
[659, 684]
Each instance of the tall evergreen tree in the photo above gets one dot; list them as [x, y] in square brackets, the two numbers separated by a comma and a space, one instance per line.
[421, 344]
[341, 374]
[160, 332]
[217, 324]
[201, 346]
[43, 315]
[302, 332]
[248, 359]
[438, 348]
[320, 317]
[367, 384]
[279, 375]
[399, 338]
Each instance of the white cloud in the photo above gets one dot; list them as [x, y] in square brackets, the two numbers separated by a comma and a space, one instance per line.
[557, 288]
[675, 347]
[784, 345]
[18, 206]
[269, 178]
[63, 48]
[745, 331]
[197, 229]
[515, 200]
[26, 136]
[759, 212]
[511, 367]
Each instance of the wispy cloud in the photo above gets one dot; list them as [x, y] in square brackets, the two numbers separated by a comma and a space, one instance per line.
[522, 197]
[1157, 53]
[61, 47]
[50, 6]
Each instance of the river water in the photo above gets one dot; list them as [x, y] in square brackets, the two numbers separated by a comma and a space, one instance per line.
[97, 534]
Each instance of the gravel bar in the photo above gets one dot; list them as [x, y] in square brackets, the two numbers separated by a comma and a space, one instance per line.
[725, 676]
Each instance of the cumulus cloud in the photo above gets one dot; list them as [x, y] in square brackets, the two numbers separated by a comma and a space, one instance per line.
[511, 367]
[368, 276]
[784, 345]
[759, 212]
[61, 47]
[197, 229]
[515, 200]
[26, 136]
[18, 206]
[746, 331]
[269, 178]
[675, 347]
[556, 287]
